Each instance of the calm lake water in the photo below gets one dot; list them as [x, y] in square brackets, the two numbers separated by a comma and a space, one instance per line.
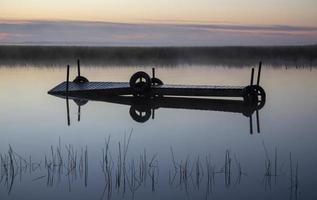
[180, 154]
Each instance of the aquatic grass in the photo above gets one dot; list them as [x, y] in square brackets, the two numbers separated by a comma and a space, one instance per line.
[127, 174]
[270, 170]
[12, 165]
[75, 162]
[294, 180]
[210, 171]
[240, 171]
[227, 168]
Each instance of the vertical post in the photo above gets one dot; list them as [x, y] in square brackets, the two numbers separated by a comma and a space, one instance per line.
[252, 76]
[67, 101]
[251, 128]
[259, 73]
[67, 108]
[153, 76]
[153, 72]
[67, 79]
[78, 67]
[78, 114]
[258, 121]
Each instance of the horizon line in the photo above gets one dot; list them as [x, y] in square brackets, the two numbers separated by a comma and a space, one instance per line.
[153, 22]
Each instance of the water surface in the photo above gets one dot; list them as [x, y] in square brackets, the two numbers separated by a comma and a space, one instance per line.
[184, 154]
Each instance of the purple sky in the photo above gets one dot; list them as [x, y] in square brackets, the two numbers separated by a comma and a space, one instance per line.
[125, 34]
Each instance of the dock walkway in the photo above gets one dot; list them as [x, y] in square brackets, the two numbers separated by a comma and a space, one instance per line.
[123, 88]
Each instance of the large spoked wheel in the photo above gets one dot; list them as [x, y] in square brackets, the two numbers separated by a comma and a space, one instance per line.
[156, 81]
[80, 79]
[140, 113]
[254, 94]
[140, 83]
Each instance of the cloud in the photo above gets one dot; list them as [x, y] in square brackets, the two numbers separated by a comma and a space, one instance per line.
[14, 22]
[3, 36]
[151, 34]
[255, 27]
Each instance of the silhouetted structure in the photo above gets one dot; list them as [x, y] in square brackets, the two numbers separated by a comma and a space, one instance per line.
[142, 85]
[141, 109]
[145, 94]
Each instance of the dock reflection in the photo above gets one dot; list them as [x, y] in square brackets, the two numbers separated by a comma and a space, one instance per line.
[142, 109]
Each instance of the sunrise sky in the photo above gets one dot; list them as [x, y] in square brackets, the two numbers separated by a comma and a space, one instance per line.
[164, 22]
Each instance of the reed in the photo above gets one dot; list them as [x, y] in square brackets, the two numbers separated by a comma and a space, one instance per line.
[227, 168]
[127, 174]
[294, 180]
[54, 164]
[124, 173]
[270, 168]
[240, 171]
[210, 171]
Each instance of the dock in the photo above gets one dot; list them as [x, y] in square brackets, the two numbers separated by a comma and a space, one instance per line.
[145, 94]
[97, 88]
[123, 88]
[142, 85]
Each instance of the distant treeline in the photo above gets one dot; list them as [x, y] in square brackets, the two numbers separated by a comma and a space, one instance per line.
[159, 56]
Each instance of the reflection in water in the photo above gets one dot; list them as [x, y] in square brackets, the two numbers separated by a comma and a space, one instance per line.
[141, 109]
[145, 94]
[60, 163]
[197, 139]
[124, 175]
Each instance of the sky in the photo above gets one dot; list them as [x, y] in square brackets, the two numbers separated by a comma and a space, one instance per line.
[158, 23]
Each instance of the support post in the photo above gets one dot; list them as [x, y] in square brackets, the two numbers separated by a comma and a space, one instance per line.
[251, 127]
[153, 113]
[259, 73]
[252, 76]
[78, 67]
[258, 121]
[78, 118]
[153, 75]
[153, 72]
[67, 79]
[67, 108]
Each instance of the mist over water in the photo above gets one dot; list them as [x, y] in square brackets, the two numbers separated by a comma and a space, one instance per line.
[237, 57]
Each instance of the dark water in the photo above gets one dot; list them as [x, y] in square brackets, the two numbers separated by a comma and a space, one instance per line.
[180, 154]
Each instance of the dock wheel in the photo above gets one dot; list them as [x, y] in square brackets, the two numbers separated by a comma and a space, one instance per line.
[140, 82]
[156, 81]
[140, 113]
[80, 102]
[254, 94]
[80, 79]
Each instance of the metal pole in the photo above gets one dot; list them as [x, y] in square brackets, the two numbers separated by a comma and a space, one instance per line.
[258, 120]
[67, 79]
[78, 119]
[67, 108]
[259, 73]
[251, 128]
[252, 76]
[153, 75]
[78, 67]
[153, 72]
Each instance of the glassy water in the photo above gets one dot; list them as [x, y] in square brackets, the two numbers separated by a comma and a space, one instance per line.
[177, 154]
